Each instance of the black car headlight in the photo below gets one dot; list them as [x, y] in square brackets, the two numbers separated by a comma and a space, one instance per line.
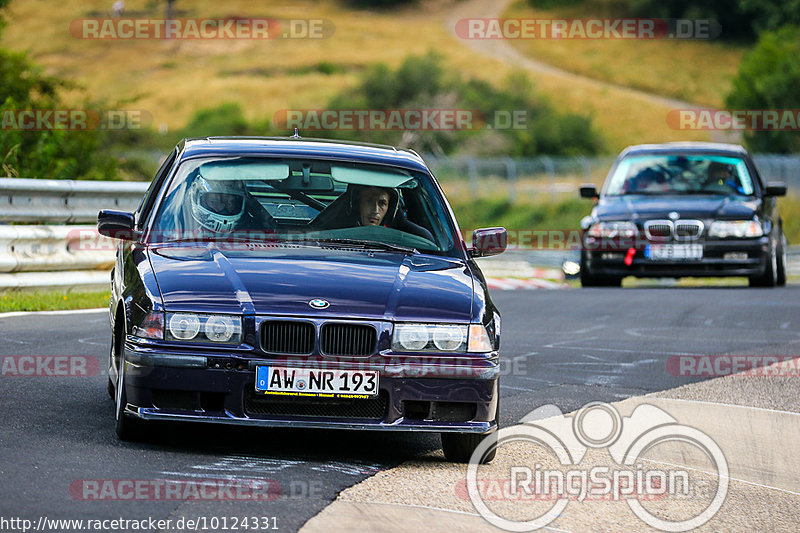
[612, 229]
[451, 338]
[223, 329]
[735, 228]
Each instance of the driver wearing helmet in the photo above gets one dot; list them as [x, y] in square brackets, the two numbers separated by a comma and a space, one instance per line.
[223, 206]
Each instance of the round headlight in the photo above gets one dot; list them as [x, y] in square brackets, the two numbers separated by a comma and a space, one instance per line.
[220, 328]
[413, 337]
[184, 326]
[448, 338]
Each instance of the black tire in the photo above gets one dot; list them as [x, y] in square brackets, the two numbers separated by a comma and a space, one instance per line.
[458, 447]
[593, 280]
[111, 364]
[770, 276]
[127, 427]
[781, 281]
[590, 280]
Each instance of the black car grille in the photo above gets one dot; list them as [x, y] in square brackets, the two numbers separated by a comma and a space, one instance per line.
[347, 339]
[688, 229]
[658, 230]
[287, 337]
[266, 405]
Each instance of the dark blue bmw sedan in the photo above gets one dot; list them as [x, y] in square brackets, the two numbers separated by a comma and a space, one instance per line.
[684, 209]
[298, 283]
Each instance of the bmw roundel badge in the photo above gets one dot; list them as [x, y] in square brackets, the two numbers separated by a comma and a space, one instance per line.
[319, 303]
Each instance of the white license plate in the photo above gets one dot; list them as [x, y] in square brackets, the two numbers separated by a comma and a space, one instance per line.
[316, 382]
[673, 252]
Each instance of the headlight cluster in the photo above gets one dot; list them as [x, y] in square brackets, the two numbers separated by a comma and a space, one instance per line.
[191, 327]
[441, 338]
[612, 229]
[202, 328]
[735, 228]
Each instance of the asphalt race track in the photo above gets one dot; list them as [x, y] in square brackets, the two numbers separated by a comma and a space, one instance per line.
[562, 347]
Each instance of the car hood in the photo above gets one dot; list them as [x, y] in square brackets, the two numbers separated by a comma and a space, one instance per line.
[642, 207]
[283, 279]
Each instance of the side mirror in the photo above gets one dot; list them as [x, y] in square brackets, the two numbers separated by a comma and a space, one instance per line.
[775, 188]
[117, 225]
[488, 241]
[589, 191]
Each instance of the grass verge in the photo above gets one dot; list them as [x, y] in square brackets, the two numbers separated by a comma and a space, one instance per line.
[697, 71]
[24, 300]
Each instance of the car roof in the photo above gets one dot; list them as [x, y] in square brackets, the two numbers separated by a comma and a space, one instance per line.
[301, 147]
[685, 148]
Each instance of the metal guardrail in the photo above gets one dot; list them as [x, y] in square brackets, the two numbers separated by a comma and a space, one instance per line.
[70, 256]
[65, 201]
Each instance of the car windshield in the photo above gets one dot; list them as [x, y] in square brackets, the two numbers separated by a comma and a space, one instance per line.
[681, 174]
[306, 201]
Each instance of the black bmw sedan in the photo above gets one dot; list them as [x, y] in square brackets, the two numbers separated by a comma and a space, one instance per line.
[683, 209]
[298, 283]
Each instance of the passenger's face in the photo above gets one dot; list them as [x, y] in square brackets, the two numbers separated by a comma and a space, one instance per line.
[373, 204]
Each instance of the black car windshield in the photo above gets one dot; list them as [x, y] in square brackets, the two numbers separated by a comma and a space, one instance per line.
[306, 201]
[681, 174]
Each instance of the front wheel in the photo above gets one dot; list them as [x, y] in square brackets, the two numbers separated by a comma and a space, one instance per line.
[781, 281]
[593, 280]
[127, 427]
[459, 447]
[770, 276]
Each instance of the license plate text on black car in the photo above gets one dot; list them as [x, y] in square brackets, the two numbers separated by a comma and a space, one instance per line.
[315, 382]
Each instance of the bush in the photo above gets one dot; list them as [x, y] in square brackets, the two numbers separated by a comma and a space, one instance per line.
[422, 82]
[52, 154]
[768, 78]
[226, 119]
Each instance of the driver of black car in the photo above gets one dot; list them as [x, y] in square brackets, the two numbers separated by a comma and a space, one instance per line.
[722, 175]
[373, 206]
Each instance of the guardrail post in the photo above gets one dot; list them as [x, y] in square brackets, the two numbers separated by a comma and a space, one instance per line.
[550, 170]
[511, 176]
[472, 172]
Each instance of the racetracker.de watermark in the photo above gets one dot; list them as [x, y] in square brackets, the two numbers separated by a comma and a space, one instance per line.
[572, 442]
[771, 366]
[586, 28]
[399, 119]
[255, 28]
[49, 366]
[734, 119]
[73, 119]
[175, 489]
[88, 239]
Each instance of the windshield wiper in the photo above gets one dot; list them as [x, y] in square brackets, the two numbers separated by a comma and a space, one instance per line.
[371, 244]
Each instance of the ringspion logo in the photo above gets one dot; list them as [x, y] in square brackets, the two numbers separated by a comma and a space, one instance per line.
[577, 475]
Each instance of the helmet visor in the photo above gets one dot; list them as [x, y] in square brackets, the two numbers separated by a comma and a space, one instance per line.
[223, 203]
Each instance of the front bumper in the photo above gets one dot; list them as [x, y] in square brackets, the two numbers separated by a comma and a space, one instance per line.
[755, 255]
[414, 396]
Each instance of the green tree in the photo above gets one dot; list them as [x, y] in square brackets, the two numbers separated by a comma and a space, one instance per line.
[42, 154]
[768, 78]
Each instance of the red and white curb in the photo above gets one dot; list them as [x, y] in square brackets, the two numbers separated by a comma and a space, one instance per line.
[513, 284]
